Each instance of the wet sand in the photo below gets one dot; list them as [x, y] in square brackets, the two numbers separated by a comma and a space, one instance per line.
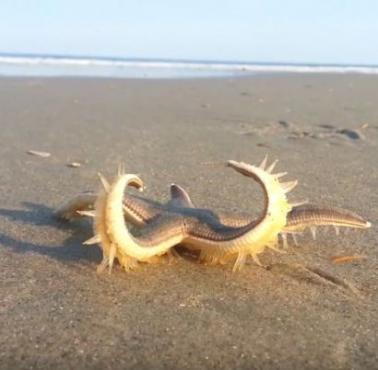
[56, 312]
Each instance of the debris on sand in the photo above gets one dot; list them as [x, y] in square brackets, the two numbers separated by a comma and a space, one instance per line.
[39, 153]
[74, 164]
[341, 260]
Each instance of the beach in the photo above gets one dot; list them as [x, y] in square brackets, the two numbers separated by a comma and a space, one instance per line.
[57, 312]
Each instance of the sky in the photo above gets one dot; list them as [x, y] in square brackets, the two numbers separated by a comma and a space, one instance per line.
[302, 31]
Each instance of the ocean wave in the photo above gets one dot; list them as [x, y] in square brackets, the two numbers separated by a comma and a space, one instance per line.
[228, 67]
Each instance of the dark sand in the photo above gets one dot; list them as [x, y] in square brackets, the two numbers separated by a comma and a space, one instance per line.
[56, 312]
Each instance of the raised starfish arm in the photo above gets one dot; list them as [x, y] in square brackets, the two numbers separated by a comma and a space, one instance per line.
[217, 242]
[140, 248]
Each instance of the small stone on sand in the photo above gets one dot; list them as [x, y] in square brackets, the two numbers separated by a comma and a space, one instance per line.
[74, 164]
[351, 134]
[284, 123]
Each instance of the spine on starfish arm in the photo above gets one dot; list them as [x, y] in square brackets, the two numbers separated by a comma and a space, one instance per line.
[110, 253]
[254, 237]
[118, 231]
[310, 216]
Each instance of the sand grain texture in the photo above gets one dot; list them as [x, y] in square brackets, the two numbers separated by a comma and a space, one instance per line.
[56, 312]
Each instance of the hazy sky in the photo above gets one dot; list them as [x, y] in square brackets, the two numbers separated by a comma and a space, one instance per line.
[252, 30]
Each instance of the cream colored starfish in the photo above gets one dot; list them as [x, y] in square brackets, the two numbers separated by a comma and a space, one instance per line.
[218, 237]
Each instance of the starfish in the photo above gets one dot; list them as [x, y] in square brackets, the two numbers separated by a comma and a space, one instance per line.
[219, 237]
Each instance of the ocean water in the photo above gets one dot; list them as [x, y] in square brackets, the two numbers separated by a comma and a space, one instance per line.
[24, 65]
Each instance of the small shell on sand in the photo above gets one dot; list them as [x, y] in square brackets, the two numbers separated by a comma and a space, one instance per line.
[74, 164]
[39, 153]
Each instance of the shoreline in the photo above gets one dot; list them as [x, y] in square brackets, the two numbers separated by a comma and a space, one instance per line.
[189, 77]
[107, 67]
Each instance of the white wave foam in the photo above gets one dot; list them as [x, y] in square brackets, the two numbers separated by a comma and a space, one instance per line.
[194, 66]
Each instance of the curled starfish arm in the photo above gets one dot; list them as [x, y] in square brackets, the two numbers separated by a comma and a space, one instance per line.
[216, 243]
[141, 249]
[109, 250]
